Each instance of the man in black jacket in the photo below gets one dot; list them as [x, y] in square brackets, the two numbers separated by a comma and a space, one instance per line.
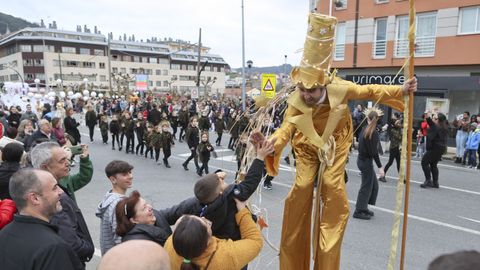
[214, 199]
[70, 221]
[30, 241]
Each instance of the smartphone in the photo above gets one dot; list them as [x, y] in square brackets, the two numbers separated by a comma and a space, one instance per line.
[76, 149]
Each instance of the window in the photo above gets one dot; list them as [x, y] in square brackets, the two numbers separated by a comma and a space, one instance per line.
[99, 52]
[25, 48]
[28, 62]
[136, 59]
[150, 83]
[38, 62]
[165, 72]
[123, 70]
[103, 78]
[175, 66]
[158, 72]
[49, 48]
[68, 50]
[88, 64]
[153, 60]
[115, 70]
[84, 51]
[426, 24]
[165, 83]
[340, 4]
[40, 76]
[102, 65]
[29, 76]
[14, 77]
[163, 61]
[380, 41]
[38, 48]
[469, 20]
[340, 43]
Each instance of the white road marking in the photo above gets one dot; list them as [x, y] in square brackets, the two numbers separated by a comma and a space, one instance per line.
[419, 162]
[470, 219]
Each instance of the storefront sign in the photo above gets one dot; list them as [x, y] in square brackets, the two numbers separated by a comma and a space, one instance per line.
[376, 79]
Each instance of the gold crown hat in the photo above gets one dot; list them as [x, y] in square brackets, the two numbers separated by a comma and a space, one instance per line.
[314, 69]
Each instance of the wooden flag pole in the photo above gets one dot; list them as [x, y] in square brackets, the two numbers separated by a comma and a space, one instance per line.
[411, 72]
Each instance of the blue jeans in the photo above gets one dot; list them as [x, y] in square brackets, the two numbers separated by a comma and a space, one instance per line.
[461, 140]
[472, 157]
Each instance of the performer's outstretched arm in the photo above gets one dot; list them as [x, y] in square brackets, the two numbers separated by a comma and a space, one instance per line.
[283, 135]
[390, 95]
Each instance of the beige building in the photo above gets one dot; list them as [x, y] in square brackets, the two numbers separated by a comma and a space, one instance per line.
[73, 60]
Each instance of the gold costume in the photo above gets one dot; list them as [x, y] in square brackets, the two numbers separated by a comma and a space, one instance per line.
[321, 137]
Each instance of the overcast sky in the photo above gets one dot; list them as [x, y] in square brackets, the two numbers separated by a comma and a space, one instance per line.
[273, 28]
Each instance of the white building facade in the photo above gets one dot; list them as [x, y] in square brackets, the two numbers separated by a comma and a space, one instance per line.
[73, 60]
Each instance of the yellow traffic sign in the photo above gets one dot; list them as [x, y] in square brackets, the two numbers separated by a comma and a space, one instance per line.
[269, 84]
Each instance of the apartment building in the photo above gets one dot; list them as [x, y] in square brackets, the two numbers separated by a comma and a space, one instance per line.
[60, 58]
[372, 46]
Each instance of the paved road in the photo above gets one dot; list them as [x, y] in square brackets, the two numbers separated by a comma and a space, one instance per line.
[441, 221]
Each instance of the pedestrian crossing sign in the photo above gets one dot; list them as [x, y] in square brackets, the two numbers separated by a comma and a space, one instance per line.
[269, 83]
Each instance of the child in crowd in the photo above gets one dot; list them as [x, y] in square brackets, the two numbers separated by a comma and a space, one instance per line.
[174, 123]
[156, 143]
[166, 139]
[140, 127]
[128, 128]
[219, 127]
[204, 149]
[104, 128]
[420, 142]
[115, 130]
[472, 144]
[147, 140]
[240, 150]
[120, 175]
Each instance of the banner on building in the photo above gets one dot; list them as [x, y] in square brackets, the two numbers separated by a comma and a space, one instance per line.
[269, 84]
[141, 82]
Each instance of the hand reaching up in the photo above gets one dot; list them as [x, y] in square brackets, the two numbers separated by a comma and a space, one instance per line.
[265, 148]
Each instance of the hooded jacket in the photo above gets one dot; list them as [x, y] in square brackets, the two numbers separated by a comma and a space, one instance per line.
[108, 224]
[157, 233]
[473, 140]
[221, 211]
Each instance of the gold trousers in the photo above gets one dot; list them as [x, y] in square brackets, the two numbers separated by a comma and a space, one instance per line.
[297, 215]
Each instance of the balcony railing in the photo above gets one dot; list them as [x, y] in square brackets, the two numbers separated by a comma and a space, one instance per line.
[379, 49]
[339, 52]
[424, 46]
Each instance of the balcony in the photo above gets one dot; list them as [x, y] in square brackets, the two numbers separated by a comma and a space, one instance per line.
[379, 49]
[339, 53]
[424, 47]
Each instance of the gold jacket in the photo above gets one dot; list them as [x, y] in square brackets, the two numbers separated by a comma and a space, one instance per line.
[309, 128]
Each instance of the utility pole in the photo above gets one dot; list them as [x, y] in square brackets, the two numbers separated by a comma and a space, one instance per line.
[109, 66]
[60, 67]
[199, 71]
[243, 61]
